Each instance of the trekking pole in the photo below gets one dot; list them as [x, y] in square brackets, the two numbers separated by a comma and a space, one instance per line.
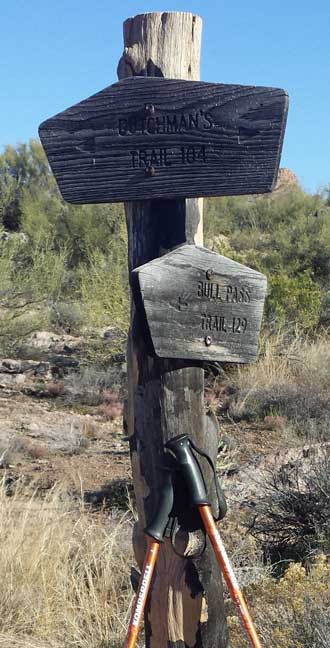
[228, 573]
[181, 448]
[142, 593]
[155, 532]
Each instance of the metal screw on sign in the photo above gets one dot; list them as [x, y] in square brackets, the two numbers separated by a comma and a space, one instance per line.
[150, 171]
[150, 109]
[209, 274]
[208, 340]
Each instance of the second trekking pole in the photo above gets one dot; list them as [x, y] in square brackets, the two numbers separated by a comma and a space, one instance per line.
[181, 448]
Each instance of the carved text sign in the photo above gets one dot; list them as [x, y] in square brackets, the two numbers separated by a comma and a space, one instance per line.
[161, 138]
[200, 305]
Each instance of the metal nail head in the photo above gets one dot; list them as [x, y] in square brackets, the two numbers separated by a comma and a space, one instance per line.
[209, 273]
[208, 340]
[150, 171]
[149, 108]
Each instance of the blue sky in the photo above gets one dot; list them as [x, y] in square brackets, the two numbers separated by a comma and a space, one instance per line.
[54, 53]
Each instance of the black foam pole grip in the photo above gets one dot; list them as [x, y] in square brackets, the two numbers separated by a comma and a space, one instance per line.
[158, 524]
[180, 447]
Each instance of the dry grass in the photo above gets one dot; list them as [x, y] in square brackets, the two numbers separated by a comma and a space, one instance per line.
[289, 380]
[25, 447]
[55, 388]
[300, 361]
[64, 578]
[245, 555]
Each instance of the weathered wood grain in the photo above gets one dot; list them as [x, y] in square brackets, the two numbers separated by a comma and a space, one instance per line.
[147, 138]
[162, 44]
[166, 397]
[201, 305]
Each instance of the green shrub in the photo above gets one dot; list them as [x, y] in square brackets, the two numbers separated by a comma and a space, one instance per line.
[104, 290]
[293, 299]
[291, 519]
[285, 235]
[292, 612]
[32, 278]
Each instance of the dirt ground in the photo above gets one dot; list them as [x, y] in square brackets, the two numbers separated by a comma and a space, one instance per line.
[48, 445]
[47, 436]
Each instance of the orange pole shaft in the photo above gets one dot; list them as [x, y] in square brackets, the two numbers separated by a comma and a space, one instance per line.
[142, 593]
[228, 573]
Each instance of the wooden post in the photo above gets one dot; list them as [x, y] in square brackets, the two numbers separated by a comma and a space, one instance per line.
[158, 142]
[166, 397]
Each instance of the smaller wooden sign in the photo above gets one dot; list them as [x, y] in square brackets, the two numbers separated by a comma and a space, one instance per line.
[201, 305]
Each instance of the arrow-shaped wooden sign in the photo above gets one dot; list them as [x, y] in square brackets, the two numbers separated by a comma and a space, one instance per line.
[201, 305]
[147, 138]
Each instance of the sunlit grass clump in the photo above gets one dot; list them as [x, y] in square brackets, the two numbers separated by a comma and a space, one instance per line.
[292, 612]
[64, 576]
